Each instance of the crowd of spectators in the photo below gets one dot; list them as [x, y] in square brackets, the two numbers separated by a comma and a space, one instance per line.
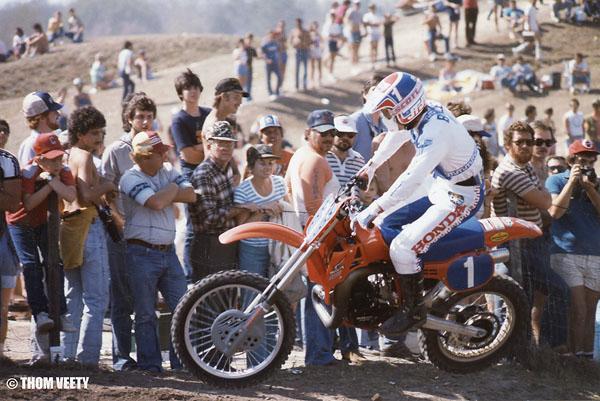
[126, 262]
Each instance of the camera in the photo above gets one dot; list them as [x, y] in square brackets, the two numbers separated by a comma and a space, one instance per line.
[590, 173]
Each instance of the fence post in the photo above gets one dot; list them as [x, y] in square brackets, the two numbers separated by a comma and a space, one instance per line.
[53, 281]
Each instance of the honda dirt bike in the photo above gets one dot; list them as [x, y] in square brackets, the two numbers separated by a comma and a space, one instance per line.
[235, 328]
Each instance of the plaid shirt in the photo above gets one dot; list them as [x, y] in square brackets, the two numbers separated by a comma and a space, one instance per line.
[214, 187]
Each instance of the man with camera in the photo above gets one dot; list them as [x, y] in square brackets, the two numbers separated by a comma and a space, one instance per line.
[575, 251]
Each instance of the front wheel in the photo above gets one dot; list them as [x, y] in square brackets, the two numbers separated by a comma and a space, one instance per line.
[219, 343]
[500, 308]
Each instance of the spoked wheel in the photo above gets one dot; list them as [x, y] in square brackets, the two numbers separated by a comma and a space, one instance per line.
[500, 308]
[221, 344]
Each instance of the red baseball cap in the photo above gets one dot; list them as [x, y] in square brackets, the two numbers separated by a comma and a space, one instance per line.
[581, 146]
[148, 142]
[48, 145]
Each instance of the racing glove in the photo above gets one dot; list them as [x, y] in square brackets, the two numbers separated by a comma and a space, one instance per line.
[366, 217]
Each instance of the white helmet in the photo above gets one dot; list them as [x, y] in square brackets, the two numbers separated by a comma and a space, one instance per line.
[401, 93]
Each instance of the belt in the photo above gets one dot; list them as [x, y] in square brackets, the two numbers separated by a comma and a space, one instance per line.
[470, 182]
[162, 248]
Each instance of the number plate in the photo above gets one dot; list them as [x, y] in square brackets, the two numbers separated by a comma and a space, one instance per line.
[470, 272]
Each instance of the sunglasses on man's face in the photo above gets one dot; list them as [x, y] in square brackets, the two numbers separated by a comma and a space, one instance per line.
[329, 133]
[541, 142]
[526, 142]
[350, 135]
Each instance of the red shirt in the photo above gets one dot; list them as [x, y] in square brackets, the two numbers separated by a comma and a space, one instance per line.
[470, 4]
[29, 185]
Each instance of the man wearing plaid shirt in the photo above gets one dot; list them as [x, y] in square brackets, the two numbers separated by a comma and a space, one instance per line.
[214, 211]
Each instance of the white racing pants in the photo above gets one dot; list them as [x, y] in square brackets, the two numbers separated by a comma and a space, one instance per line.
[412, 229]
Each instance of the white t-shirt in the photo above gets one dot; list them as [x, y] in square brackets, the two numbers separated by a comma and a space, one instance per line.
[575, 123]
[123, 63]
[499, 72]
[372, 18]
[531, 23]
[503, 123]
[18, 40]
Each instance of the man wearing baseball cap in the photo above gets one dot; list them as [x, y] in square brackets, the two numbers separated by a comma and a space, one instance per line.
[271, 133]
[41, 114]
[150, 189]
[29, 230]
[343, 160]
[309, 181]
[575, 249]
[214, 212]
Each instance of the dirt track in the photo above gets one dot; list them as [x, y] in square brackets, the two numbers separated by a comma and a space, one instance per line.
[391, 379]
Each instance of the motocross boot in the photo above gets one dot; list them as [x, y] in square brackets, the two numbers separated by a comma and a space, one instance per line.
[413, 313]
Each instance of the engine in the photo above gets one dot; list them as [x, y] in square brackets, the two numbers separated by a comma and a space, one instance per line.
[373, 300]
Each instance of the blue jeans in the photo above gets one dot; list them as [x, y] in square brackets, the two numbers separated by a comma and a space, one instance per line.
[273, 68]
[433, 36]
[301, 58]
[151, 271]
[86, 290]
[29, 243]
[348, 339]
[128, 84]
[510, 83]
[539, 276]
[254, 259]
[564, 5]
[187, 172]
[121, 305]
[248, 85]
[318, 340]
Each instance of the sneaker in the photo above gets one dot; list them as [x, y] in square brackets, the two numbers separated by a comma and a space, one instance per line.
[66, 325]
[43, 322]
[353, 357]
[432, 57]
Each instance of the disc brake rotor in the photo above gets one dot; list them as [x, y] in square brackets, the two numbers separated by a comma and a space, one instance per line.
[230, 332]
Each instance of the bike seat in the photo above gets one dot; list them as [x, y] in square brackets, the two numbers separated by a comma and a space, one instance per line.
[466, 237]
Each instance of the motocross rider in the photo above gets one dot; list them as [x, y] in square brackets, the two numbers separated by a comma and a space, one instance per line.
[444, 149]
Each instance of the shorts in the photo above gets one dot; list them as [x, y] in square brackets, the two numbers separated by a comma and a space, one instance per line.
[374, 37]
[577, 270]
[333, 46]
[316, 53]
[241, 70]
[8, 281]
[356, 37]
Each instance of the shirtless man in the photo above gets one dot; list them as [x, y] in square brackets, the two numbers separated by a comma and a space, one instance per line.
[83, 241]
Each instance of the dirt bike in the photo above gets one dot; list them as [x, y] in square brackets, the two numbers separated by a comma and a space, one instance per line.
[235, 328]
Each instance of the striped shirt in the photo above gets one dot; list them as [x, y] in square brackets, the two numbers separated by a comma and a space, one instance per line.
[246, 193]
[9, 166]
[513, 181]
[347, 168]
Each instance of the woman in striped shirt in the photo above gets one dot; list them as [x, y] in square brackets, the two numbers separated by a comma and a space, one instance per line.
[265, 190]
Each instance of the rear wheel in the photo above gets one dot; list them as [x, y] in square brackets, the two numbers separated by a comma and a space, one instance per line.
[216, 341]
[500, 308]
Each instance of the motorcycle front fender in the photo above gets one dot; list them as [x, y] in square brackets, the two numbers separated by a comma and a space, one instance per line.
[263, 230]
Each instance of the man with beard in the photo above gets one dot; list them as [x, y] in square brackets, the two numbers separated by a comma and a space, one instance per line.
[343, 160]
[41, 113]
[310, 180]
[517, 187]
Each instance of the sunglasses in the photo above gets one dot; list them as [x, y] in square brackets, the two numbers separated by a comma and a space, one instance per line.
[557, 169]
[330, 133]
[350, 135]
[526, 142]
[540, 142]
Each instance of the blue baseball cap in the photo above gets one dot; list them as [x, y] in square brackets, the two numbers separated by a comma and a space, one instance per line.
[321, 120]
[37, 103]
[270, 120]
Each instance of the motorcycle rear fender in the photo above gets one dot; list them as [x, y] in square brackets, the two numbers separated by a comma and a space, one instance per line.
[498, 230]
